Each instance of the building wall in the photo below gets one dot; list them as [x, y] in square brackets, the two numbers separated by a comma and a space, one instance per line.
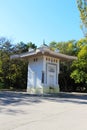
[51, 64]
[35, 68]
[44, 64]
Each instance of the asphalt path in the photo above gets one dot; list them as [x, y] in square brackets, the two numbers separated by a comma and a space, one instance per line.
[64, 111]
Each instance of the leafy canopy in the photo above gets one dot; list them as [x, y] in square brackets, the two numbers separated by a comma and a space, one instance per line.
[82, 6]
[80, 66]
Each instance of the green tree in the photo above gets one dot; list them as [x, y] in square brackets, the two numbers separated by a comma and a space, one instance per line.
[53, 45]
[79, 73]
[5, 50]
[31, 45]
[20, 47]
[82, 6]
[13, 73]
[68, 48]
[18, 74]
[18, 67]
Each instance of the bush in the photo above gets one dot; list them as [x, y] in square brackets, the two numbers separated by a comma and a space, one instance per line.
[1, 85]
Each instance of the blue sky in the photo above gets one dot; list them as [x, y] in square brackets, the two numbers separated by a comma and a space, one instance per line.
[35, 20]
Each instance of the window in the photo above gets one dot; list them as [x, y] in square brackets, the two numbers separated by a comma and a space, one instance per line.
[42, 77]
[35, 59]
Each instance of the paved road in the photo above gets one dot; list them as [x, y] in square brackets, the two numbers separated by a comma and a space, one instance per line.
[20, 111]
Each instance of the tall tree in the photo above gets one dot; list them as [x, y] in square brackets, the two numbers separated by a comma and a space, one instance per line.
[82, 6]
[13, 73]
[68, 48]
[20, 47]
[31, 45]
[79, 73]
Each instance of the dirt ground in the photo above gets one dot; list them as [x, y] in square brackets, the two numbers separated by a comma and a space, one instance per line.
[21, 111]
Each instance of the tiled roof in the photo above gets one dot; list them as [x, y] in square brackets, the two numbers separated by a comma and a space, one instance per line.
[44, 51]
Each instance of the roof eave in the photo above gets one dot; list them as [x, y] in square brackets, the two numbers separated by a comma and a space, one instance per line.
[44, 52]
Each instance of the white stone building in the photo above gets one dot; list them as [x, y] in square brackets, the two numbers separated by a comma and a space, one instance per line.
[43, 69]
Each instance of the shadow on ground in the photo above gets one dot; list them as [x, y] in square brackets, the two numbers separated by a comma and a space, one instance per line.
[19, 98]
[76, 98]
[10, 100]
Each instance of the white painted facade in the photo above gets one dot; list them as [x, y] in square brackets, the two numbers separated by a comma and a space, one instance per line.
[43, 75]
[35, 68]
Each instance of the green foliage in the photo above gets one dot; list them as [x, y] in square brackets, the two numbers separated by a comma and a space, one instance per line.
[13, 73]
[82, 6]
[79, 76]
[64, 47]
[83, 53]
[79, 67]
[18, 74]
[20, 47]
[2, 85]
[69, 48]
[53, 45]
[79, 73]
[31, 45]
